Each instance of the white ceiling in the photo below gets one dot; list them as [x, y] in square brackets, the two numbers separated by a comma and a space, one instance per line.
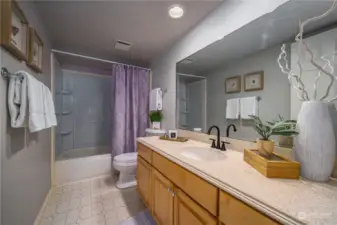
[269, 30]
[91, 27]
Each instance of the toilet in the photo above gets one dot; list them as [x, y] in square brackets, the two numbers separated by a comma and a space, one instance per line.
[126, 165]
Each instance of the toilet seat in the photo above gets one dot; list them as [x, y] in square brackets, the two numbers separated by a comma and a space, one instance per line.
[126, 158]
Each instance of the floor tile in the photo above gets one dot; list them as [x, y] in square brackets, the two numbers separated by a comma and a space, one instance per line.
[73, 216]
[96, 209]
[85, 212]
[62, 207]
[74, 203]
[46, 221]
[49, 211]
[92, 202]
[85, 201]
[60, 219]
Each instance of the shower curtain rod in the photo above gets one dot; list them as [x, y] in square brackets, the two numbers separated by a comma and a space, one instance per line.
[94, 58]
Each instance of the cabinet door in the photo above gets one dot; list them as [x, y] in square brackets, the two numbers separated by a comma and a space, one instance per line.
[234, 212]
[162, 199]
[144, 180]
[188, 212]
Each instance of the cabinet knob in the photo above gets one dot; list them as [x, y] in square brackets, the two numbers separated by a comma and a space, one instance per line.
[173, 194]
[169, 189]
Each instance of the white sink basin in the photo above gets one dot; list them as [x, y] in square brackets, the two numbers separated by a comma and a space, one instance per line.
[203, 154]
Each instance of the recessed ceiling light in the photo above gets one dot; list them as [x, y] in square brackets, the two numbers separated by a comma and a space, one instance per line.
[176, 11]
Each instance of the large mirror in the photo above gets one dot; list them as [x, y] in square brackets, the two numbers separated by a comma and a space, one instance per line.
[244, 65]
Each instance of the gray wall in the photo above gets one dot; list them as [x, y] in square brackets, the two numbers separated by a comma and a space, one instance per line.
[275, 97]
[25, 157]
[88, 111]
[227, 18]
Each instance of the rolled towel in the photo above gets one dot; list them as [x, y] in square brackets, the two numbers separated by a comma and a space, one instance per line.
[17, 100]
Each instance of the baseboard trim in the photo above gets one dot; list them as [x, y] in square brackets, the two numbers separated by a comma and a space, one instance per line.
[44, 205]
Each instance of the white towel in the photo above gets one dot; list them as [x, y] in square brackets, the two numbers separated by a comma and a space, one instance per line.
[233, 108]
[17, 100]
[156, 99]
[36, 103]
[248, 106]
[49, 108]
[41, 107]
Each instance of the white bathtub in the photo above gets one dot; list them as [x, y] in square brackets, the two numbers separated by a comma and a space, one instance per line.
[73, 170]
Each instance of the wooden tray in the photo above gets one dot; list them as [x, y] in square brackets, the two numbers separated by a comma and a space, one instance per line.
[178, 139]
[274, 166]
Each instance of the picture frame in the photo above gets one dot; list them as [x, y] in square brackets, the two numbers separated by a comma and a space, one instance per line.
[14, 30]
[233, 84]
[35, 55]
[254, 81]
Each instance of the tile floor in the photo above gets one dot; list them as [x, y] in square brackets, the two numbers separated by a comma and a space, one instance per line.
[92, 202]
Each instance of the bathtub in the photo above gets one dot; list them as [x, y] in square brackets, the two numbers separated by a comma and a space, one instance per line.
[76, 169]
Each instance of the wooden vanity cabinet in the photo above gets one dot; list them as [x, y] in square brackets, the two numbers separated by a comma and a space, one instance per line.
[187, 211]
[176, 196]
[143, 175]
[162, 199]
[234, 212]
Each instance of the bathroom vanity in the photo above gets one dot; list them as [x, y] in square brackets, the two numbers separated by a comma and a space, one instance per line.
[189, 183]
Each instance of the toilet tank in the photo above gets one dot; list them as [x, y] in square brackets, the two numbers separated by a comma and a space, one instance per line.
[154, 132]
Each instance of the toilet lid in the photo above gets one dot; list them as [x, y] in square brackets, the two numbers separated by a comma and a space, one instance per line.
[126, 157]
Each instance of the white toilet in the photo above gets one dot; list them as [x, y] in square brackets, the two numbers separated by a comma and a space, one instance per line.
[126, 165]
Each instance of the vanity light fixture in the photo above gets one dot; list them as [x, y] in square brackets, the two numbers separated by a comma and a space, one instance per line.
[176, 11]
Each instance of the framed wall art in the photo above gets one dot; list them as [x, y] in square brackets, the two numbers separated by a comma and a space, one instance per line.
[14, 29]
[233, 84]
[254, 81]
[35, 51]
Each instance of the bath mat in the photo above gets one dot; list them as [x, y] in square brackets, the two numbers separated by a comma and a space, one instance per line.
[141, 218]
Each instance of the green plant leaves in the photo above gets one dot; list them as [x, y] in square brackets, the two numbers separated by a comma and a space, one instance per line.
[156, 116]
[283, 127]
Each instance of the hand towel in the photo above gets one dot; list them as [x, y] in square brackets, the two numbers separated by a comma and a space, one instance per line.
[156, 99]
[248, 106]
[49, 108]
[17, 100]
[36, 103]
[233, 108]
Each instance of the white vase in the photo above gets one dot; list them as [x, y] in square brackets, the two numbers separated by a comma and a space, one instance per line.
[314, 146]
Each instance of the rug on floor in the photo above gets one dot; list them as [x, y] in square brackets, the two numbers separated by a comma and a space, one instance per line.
[141, 218]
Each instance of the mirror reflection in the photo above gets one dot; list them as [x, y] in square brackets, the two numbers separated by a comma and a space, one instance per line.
[240, 75]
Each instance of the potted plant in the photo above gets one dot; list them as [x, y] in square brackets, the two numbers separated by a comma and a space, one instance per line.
[266, 146]
[156, 117]
[284, 139]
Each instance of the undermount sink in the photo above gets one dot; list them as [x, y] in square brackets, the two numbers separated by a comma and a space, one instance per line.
[203, 154]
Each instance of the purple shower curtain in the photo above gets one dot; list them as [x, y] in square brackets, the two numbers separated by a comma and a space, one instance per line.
[130, 107]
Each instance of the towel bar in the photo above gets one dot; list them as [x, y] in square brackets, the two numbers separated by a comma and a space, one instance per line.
[6, 74]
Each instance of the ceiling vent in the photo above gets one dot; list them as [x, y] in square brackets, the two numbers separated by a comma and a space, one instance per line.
[187, 61]
[122, 45]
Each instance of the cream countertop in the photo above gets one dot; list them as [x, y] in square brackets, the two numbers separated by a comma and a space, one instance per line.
[287, 201]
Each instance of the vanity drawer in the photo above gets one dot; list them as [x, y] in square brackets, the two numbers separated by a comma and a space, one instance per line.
[198, 189]
[144, 152]
[234, 212]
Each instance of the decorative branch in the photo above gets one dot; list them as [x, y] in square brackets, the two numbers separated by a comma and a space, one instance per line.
[298, 84]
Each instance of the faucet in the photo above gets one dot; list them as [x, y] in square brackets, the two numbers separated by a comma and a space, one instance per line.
[229, 127]
[217, 146]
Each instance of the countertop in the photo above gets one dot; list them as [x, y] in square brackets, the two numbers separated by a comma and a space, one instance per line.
[287, 201]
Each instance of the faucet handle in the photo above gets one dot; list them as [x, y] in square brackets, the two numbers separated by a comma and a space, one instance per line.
[213, 142]
[223, 146]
